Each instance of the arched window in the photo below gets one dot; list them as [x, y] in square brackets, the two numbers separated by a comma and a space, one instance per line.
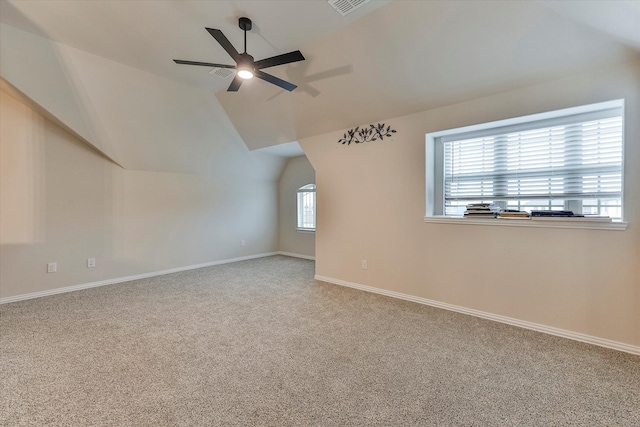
[307, 207]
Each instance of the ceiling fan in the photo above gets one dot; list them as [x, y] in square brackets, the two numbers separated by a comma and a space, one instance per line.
[246, 67]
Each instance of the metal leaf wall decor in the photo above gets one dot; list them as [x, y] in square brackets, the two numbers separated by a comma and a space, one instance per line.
[359, 135]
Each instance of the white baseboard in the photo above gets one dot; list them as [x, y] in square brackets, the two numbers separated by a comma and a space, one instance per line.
[495, 317]
[127, 278]
[312, 258]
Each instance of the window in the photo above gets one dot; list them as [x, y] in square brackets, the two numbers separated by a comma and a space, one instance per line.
[307, 207]
[564, 160]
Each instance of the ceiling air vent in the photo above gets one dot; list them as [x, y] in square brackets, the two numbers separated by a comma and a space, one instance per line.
[221, 72]
[346, 6]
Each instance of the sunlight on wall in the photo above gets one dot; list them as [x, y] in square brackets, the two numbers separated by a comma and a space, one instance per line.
[21, 172]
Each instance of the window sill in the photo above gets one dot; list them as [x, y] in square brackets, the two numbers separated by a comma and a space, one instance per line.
[306, 230]
[528, 222]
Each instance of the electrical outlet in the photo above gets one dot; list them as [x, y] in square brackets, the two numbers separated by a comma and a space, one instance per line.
[91, 262]
[241, 242]
[364, 264]
[52, 267]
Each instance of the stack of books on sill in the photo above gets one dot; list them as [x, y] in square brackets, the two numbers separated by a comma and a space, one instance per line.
[567, 216]
[513, 214]
[482, 210]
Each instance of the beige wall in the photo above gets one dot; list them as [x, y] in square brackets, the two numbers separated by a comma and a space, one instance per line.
[298, 172]
[62, 202]
[371, 204]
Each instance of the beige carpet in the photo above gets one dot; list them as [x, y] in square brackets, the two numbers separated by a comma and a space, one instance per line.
[261, 343]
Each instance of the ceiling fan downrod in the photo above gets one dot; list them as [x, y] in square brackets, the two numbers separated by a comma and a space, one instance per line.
[245, 25]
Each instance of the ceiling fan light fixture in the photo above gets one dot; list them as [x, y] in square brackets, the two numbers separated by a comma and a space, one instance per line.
[245, 73]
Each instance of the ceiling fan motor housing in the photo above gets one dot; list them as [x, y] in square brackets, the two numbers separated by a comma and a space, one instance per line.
[245, 59]
[245, 63]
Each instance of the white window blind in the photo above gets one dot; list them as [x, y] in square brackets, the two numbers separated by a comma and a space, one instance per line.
[307, 207]
[565, 162]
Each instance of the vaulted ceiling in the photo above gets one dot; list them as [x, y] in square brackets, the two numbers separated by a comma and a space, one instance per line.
[386, 59]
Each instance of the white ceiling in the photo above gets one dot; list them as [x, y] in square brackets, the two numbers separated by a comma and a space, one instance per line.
[148, 34]
[287, 150]
[388, 58]
[620, 19]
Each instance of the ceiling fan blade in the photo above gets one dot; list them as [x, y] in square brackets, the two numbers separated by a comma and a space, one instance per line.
[203, 64]
[285, 58]
[224, 42]
[276, 81]
[235, 84]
